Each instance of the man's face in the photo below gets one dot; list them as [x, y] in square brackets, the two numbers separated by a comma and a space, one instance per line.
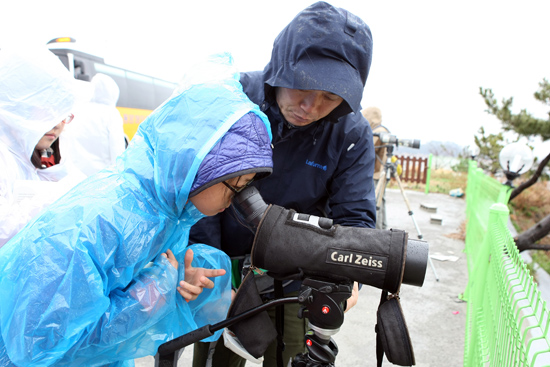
[302, 107]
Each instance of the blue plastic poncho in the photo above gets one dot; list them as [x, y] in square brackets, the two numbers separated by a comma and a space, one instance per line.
[84, 283]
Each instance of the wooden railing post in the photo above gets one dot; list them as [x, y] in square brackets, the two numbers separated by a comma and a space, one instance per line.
[415, 169]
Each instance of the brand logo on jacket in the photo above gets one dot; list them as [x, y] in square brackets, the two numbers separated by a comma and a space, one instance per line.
[316, 165]
[361, 260]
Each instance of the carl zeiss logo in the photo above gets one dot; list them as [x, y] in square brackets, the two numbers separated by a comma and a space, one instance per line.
[316, 165]
[349, 258]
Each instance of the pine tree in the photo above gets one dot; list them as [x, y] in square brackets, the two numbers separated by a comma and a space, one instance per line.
[524, 124]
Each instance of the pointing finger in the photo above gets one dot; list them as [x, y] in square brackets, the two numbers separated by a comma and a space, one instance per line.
[188, 259]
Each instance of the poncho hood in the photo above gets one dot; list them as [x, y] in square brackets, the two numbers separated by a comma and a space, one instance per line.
[373, 116]
[105, 90]
[164, 156]
[36, 93]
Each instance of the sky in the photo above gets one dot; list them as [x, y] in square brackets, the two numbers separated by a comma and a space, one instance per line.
[429, 57]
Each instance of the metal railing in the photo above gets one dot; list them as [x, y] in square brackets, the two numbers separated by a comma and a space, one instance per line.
[508, 321]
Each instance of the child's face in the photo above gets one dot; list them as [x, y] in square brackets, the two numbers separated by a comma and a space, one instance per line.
[217, 198]
[47, 140]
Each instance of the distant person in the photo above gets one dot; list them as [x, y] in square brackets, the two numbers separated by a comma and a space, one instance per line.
[96, 138]
[105, 274]
[323, 156]
[374, 117]
[37, 94]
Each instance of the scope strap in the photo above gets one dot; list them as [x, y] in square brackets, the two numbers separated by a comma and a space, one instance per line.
[279, 321]
[379, 346]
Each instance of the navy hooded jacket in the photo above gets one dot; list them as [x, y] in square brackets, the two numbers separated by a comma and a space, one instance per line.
[325, 168]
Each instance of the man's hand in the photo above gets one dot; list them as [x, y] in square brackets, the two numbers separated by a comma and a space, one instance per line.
[352, 301]
[196, 278]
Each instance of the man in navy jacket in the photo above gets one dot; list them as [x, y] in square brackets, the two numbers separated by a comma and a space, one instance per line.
[323, 154]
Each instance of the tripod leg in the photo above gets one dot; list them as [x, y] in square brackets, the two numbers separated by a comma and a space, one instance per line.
[408, 205]
[380, 188]
[414, 221]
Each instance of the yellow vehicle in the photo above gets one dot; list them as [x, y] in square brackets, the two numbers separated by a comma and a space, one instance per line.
[139, 94]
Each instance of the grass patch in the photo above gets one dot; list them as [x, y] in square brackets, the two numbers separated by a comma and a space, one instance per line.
[530, 207]
[442, 181]
[531, 269]
[542, 258]
[526, 210]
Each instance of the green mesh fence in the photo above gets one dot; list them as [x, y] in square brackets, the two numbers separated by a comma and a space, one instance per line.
[482, 191]
[507, 322]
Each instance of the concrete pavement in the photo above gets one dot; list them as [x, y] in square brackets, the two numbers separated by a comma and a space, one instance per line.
[434, 314]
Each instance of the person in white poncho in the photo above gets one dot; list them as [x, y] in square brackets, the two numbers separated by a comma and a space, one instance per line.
[37, 94]
[96, 138]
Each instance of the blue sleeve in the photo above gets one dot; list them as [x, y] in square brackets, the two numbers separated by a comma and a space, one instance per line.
[136, 333]
[70, 326]
[353, 201]
[122, 325]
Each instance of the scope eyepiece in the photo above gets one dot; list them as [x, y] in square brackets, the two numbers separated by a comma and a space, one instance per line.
[249, 206]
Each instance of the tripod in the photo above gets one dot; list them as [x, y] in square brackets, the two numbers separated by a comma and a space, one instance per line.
[389, 170]
[322, 303]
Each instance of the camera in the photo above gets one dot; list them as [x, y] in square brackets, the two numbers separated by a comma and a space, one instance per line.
[390, 139]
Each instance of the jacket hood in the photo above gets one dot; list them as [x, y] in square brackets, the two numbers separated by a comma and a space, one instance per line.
[323, 48]
[373, 116]
[166, 155]
[243, 149]
[105, 90]
[36, 93]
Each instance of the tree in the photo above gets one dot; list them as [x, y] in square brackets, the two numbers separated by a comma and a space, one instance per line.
[524, 124]
[489, 148]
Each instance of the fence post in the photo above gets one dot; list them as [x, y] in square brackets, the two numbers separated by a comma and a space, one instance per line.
[504, 194]
[429, 168]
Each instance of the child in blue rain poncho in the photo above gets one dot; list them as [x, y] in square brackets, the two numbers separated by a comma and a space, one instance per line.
[93, 279]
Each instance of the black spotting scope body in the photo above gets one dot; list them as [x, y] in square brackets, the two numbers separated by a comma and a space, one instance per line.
[290, 245]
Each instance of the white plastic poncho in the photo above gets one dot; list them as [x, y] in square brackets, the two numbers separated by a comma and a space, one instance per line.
[95, 138]
[36, 93]
[84, 284]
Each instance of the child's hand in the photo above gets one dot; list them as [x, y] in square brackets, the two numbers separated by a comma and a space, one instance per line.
[170, 256]
[196, 278]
